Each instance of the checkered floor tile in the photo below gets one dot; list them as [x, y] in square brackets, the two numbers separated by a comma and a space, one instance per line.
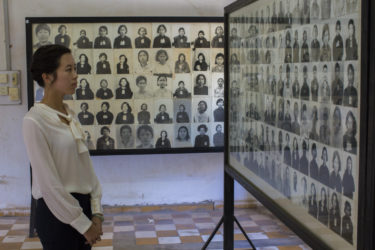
[168, 230]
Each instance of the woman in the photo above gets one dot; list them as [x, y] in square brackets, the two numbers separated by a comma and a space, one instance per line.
[126, 116]
[314, 169]
[313, 135]
[219, 63]
[351, 45]
[335, 178]
[102, 41]
[201, 64]
[83, 92]
[325, 52]
[103, 66]
[104, 92]
[122, 41]
[105, 142]
[218, 40]
[144, 67]
[337, 128]
[104, 117]
[201, 41]
[202, 140]
[144, 115]
[181, 66]
[162, 91]
[145, 135]
[295, 155]
[64, 182]
[142, 41]
[182, 116]
[83, 66]
[201, 115]
[347, 224]
[350, 92]
[313, 206]
[181, 91]
[323, 207]
[161, 40]
[122, 66]
[334, 215]
[126, 138]
[83, 42]
[124, 91]
[348, 180]
[163, 116]
[349, 140]
[200, 87]
[85, 117]
[62, 38]
[323, 170]
[163, 141]
[183, 137]
[324, 130]
[162, 66]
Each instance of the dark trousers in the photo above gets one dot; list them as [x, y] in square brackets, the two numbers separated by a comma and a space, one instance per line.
[56, 235]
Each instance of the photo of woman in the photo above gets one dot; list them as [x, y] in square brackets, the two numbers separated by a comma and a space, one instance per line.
[83, 66]
[313, 205]
[145, 136]
[104, 117]
[182, 116]
[218, 40]
[126, 138]
[181, 65]
[202, 114]
[124, 91]
[349, 140]
[202, 140]
[125, 116]
[201, 64]
[102, 41]
[181, 91]
[144, 115]
[351, 45]
[335, 178]
[335, 214]
[161, 40]
[163, 116]
[105, 142]
[163, 141]
[103, 66]
[200, 87]
[348, 179]
[122, 66]
[142, 41]
[162, 65]
[104, 92]
[183, 137]
[83, 42]
[219, 63]
[144, 66]
[84, 92]
[122, 41]
[323, 207]
[85, 117]
[201, 41]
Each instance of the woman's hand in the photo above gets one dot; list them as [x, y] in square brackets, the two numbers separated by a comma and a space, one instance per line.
[93, 233]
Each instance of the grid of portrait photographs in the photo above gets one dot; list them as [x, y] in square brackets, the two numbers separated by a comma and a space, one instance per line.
[144, 85]
[294, 84]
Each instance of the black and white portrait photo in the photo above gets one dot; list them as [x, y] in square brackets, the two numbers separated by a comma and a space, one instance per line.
[42, 35]
[122, 40]
[105, 142]
[181, 39]
[202, 139]
[161, 38]
[104, 116]
[143, 41]
[63, 37]
[85, 117]
[84, 92]
[183, 135]
[102, 41]
[145, 137]
[125, 137]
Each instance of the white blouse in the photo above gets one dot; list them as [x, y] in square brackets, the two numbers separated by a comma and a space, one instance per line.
[61, 164]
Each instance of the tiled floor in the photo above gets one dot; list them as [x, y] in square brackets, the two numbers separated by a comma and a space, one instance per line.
[168, 230]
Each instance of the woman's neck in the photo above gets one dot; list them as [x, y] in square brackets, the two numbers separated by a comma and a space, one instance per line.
[54, 101]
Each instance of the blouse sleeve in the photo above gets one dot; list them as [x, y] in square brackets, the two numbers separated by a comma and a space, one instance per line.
[61, 203]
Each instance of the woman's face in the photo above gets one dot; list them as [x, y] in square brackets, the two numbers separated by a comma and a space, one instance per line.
[349, 123]
[162, 31]
[181, 58]
[106, 132]
[220, 60]
[201, 107]
[181, 108]
[349, 165]
[62, 30]
[351, 76]
[122, 59]
[66, 76]
[336, 164]
[125, 108]
[182, 133]
[142, 85]
[201, 81]
[144, 107]
[104, 84]
[163, 134]
[202, 131]
[351, 30]
[336, 119]
[142, 57]
[219, 31]
[200, 35]
[82, 59]
[219, 129]
[102, 32]
[103, 58]
[142, 32]
[83, 84]
[162, 82]
[325, 156]
[123, 83]
[145, 137]
[162, 109]
[125, 134]
[104, 108]
[84, 107]
[162, 58]
[122, 31]
[201, 58]
[43, 35]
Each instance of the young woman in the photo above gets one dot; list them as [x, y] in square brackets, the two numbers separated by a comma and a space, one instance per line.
[323, 170]
[201, 64]
[181, 91]
[335, 178]
[181, 41]
[334, 214]
[202, 140]
[103, 66]
[201, 115]
[144, 66]
[200, 87]
[181, 66]
[349, 140]
[83, 42]
[183, 137]
[145, 135]
[348, 180]
[163, 116]
[124, 91]
[144, 116]
[122, 41]
[162, 91]
[104, 117]
[162, 66]
[104, 92]
[84, 92]
[336, 140]
[324, 130]
[161, 40]
[182, 116]
[102, 41]
[65, 186]
[347, 224]
[295, 155]
[142, 93]
[219, 63]
[163, 141]
[218, 137]
[122, 66]
[85, 117]
[105, 142]
[218, 40]
[126, 137]
[325, 52]
[142, 41]
[219, 111]
[351, 45]
[201, 41]
[350, 92]
[83, 66]
[125, 116]
[314, 169]
[62, 38]
[323, 207]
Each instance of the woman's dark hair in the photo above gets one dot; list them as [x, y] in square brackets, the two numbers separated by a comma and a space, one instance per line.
[159, 53]
[202, 126]
[161, 25]
[87, 83]
[162, 105]
[166, 134]
[350, 114]
[103, 54]
[139, 30]
[46, 59]
[104, 128]
[126, 59]
[201, 54]
[182, 105]
[105, 103]
[144, 51]
[105, 28]
[205, 104]
[127, 104]
[144, 104]
[182, 54]
[351, 22]
[147, 128]
[218, 28]
[82, 31]
[140, 78]
[205, 79]
[181, 82]
[62, 26]
[127, 86]
[119, 27]
[219, 100]
[201, 32]
[187, 133]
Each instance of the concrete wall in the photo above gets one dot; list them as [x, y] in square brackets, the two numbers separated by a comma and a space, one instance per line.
[126, 180]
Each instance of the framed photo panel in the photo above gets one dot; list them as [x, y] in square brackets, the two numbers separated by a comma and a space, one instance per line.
[145, 84]
[296, 82]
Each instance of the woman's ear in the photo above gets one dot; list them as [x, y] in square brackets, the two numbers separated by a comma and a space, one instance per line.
[48, 79]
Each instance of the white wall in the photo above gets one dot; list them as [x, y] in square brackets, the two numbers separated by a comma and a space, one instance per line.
[126, 180]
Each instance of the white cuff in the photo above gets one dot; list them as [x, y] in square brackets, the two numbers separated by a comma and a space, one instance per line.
[81, 224]
[96, 207]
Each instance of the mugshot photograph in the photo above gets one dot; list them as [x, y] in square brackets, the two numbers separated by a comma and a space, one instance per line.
[202, 139]
[325, 90]
[85, 117]
[296, 48]
[218, 40]
[296, 86]
[314, 85]
[161, 40]
[314, 169]
[287, 88]
[142, 41]
[42, 32]
[234, 39]
[295, 154]
[349, 140]
[338, 44]
[287, 153]
[335, 178]
[305, 53]
[104, 117]
[62, 38]
[200, 87]
[313, 204]
[162, 116]
[143, 91]
[104, 92]
[280, 115]
[287, 117]
[144, 66]
[315, 46]
[350, 92]
[122, 41]
[347, 224]
[162, 84]
[124, 91]
[162, 64]
[103, 66]
[280, 83]
[218, 137]
[182, 116]
[202, 114]
[337, 87]
[219, 63]
[181, 41]
[287, 183]
[125, 137]
[305, 90]
[144, 115]
[351, 45]
[303, 195]
[201, 41]
[122, 65]
[303, 161]
[315, 10]
[325, 51]
[324, 130]
[201, 64]
[83, 92]
[181, 91]
[348, 185]
[313, 134]
[125, 116]
[163, 141]
[335, 214]
[105, 142]
[83, 42]
[219, 111]
[305, 122]
[183, 137]
[102, 41]
[181, 65]
[145, 136]
[295, 125]
[337, 137]
[83, 66]
[323, 170]
[323, 207]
